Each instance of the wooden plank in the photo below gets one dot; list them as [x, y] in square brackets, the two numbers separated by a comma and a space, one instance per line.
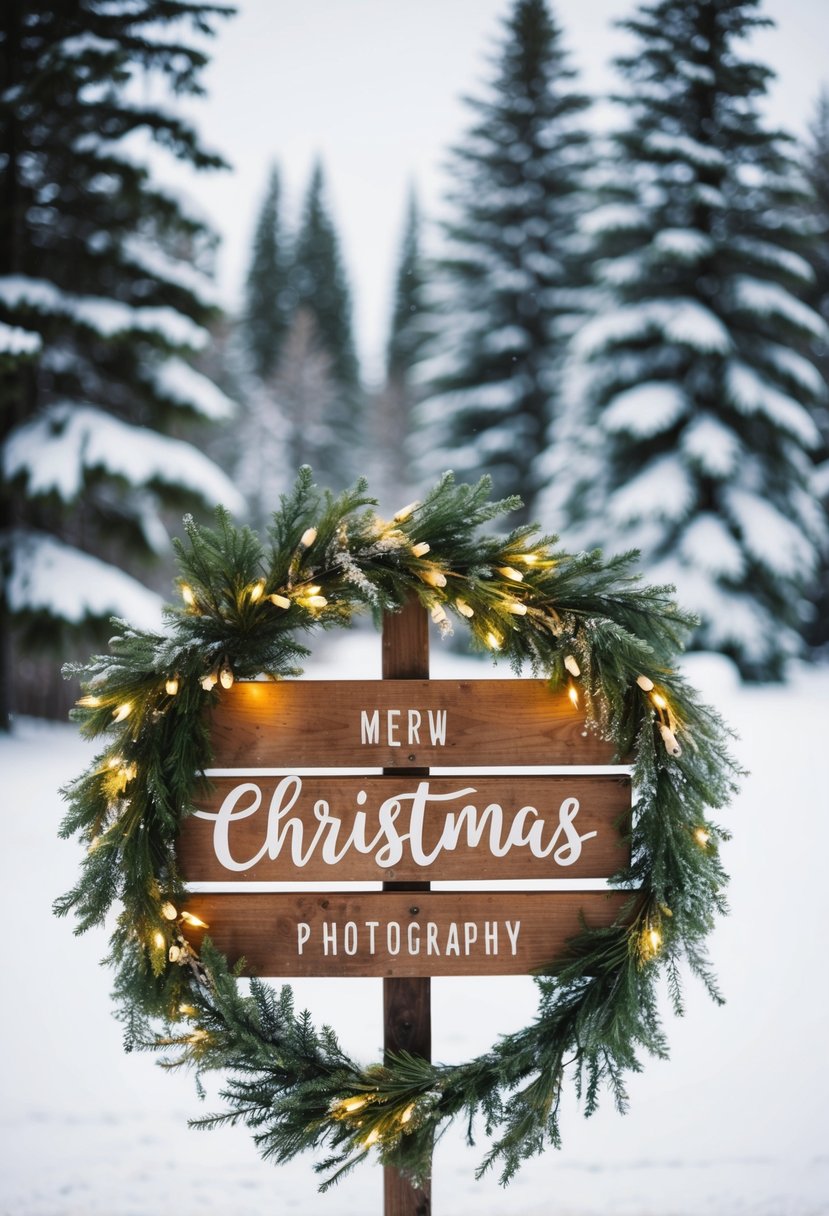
[386, 933]
[399, 724]
[404, 828]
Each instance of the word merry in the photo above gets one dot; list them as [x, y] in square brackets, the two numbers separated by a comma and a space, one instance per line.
[370, 726]
[372, 937]
[398, 826]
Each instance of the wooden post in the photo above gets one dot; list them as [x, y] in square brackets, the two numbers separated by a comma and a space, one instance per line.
[407, 1018]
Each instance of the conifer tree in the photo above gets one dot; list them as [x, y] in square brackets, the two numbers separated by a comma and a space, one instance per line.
[510, 271]
[407, 341]
[102, 272]
[319, 286]
[268, 300]
[697, 412]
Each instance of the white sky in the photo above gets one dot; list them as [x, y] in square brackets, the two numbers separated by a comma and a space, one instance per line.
[374, 86]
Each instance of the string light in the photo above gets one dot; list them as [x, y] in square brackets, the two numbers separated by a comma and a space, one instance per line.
[702, 837]
[89, 702]
[571, 665]
[511, 573]
[464, 609]
[209, 681]
[226, 676]
[372, 1137]
[644, 683]
[187, 1010]
[198, 1036]
[407, 1113]
[658, 700]
[438, 615]
[404, 512]
[434, 577]
[187, 595]
[573, 694]
[351, 1105]
[493, 641]
[308, 537]
[172, 686]
[516, 607]
[159, 940]
[279, 601]
[122, 711]
[672, 747]
[174, 954]
[421, 548]
[169, 911]
[195, 921]
[256, 591]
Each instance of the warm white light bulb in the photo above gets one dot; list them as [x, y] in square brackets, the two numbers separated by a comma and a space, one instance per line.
[573, 694]
[404, 512]
[702, 837]
[89, 702]
[464, 609]
[187, 595]
[421, 549]
[195, 921]
[226, 676]
[572, 665]
[160, 940]
[169, 911]
[511, 573]
[435, 578]
[308, 537]
[645, 683]
[280, 601]
[256, 591]
[516, 608]
[493, 641]
[172, 686]
[122, 711]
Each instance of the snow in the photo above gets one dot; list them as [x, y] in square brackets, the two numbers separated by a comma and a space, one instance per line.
[771, 300]
[680, 320]
[682, 147]
[772, 539]
[49, 576]
[613, 217]
[707, 543]
[789, 363]
[685, 244]
[18, 342]
[732, 1125]
[663, 490]
[109, 318]
[172, 270]
[183, 385]
[753, 395]
[714, 447]
[57, 448]
[646, 410]
[773, 255]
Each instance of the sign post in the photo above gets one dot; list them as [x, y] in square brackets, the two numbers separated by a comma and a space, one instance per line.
[407, 1013]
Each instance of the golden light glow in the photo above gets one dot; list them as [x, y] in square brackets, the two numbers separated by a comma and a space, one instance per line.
[123, 711]
[511, 573]
[209, 681]
[314, 589]
[421, 549]
[407, 1113]
[169, 911]
[405, 512]
[464, 609]
[89, 702]
[435, 578]
[438, 614]
[187, 595]
[280, 601]
[702, 837]
[198, 1036]
[187, 1010]
[659, 701]
[226, 676]
[159, 940]
[256, 591]
[195, 921]
[172, 686]
[372, 1137]
[573, 694]
[493, 641]
[316, 601]
[516, 607]
[529, 559]
[308, 537]
[174, 954]
[654, 939]
[350, 1105]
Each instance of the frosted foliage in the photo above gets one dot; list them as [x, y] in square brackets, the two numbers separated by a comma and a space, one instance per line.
[752, 394]
[772, 540]
[109, 318]
[682, 321]
[180, 383]
[646, 410]
[686, 244]
[17, 342]
[771, 300]
[56, 448]
[682, 148]
[712, 446]
[663, 490]
[614, 217]
[708, 544]
[51, 577]
[773, 255]
[794, 366]
[171, 270]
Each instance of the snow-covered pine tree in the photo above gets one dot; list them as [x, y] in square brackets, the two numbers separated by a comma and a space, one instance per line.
[394, 405]
[99, 267]
[268, 304]
[817, 173]
[319, 286]
[697, 413]
[510, 271]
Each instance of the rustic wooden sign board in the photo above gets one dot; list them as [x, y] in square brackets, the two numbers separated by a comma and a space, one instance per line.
[402, 827]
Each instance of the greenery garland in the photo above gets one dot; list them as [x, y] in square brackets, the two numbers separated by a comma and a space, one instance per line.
[577, 619]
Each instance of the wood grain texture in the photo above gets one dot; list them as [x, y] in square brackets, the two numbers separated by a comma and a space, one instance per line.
[317, 723]
[388, 933]
[603, 806]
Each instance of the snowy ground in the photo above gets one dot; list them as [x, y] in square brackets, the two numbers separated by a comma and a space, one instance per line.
[733, 1125]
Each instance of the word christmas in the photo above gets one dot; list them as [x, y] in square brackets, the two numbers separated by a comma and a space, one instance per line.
[402, 823]
[465, 938]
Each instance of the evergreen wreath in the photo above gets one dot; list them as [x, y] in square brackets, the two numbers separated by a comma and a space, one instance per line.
[577, 619]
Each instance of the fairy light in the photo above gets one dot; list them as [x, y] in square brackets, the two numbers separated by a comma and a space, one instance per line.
[702, 837]
[308, 537]
[257, 590]
[434, 577]
[115, 761]
[659, 701]
[351, 1105]
[421, 548]
[187, 1010]
[516, 607]
[174, 954]
[198, 1036]
[529, 559]
[573, 694]
[438, 614]
[315, 601]
[405, 512]
[372, 1137]
[645, 683]
[172, 686]
[654, 939]
[279, 601]
[407, 1113]
[492, 640]
[89, 702]
[195, 921]
[511, 573]
[672, 746]
[464, 609]
[122, 711]
[159, 940]
[169, 911]
[209, 681]
[572, 665]
[226, 676]
[187, 595]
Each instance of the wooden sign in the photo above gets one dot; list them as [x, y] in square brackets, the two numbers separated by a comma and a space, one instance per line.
[400, 724]
[401, 828]
[404, 827]
[389, 933]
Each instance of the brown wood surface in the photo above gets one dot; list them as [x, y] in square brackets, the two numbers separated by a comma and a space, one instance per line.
[317, 723]
[604, 805]
[264, 929]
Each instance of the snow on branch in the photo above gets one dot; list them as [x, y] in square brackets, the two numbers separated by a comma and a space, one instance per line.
[181, 384]
[18, 343]
[646, 409]
[683, 321]
[766, 299]
[752, 394]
